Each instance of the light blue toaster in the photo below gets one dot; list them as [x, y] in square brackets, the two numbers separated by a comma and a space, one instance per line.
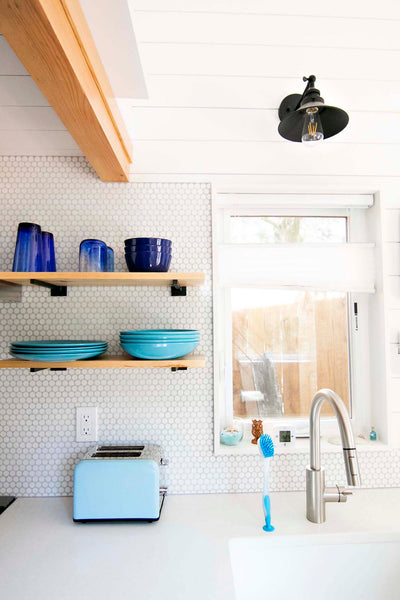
[119, 483]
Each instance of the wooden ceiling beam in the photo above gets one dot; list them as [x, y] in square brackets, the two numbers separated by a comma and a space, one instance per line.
[53, 41]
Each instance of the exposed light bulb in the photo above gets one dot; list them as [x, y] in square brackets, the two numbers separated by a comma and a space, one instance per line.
[312, 128]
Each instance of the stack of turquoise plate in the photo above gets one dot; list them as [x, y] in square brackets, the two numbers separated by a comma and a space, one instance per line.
[57, 350]
[159, 344]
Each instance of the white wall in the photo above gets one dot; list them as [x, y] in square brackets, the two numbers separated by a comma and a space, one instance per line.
[28, 125]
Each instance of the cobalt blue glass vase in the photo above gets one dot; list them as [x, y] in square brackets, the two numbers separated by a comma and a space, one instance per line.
[28, 248]
[48, 252]
[110, 259]
[92, 256]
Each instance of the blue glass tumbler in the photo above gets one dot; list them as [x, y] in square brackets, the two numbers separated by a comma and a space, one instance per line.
[28, 248]
[110, 259]
[92, 256]
[48, 252]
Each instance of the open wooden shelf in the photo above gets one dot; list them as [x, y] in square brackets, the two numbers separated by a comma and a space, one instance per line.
[108, 362]
[11, 283]
[103, 279]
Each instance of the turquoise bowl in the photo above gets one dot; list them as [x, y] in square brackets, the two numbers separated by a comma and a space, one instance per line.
[144, 338]
[164, 350]
[231, 438]
[160, 333]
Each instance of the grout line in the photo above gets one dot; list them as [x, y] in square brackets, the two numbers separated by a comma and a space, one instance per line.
[261, 108]
[283, 77]
[16, 75]
[264, 174]
[211, 108]
[252, 141]
[258, 45]
[14, 130]
[25, 106]
[264, 14]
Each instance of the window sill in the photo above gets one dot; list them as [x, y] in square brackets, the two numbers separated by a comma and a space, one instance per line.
[302, 446]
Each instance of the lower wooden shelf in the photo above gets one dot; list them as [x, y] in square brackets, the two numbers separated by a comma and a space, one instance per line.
[108, 362]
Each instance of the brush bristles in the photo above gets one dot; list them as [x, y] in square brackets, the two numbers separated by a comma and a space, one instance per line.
[266, 445]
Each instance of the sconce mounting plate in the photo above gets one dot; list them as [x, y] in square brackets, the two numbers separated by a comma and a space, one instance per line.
[288, 105]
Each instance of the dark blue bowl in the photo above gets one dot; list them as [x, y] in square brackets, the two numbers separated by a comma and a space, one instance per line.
[146, 262]
[166, 249]
[148, 241]
[146, 253]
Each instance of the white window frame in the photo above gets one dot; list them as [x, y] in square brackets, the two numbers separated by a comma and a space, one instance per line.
[226, 205]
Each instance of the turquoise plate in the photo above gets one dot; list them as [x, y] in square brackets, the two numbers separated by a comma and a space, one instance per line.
[55, 349]
[45, 357]
[56, 353]
[58, 343]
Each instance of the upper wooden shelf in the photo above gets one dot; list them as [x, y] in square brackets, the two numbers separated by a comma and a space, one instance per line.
[103, 279]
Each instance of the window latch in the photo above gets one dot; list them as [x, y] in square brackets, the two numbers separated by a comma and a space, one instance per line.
[356, 315]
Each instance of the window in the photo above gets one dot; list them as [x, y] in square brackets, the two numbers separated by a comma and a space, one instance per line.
[289, 290]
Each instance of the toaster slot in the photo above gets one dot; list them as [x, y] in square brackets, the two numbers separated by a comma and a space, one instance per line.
[116, 448]
[125, 454]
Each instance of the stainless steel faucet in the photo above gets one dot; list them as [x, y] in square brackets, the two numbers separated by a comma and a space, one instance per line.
[317, 493]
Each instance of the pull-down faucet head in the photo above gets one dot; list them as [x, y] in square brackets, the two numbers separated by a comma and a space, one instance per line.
[346, 434]
[317, 493]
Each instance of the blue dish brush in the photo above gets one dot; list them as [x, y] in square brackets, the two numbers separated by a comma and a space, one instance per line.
[266, 449]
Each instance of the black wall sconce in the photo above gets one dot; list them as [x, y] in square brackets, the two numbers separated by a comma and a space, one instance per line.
[306, 118]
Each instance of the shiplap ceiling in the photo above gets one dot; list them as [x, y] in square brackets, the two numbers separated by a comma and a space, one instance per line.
[216, 71]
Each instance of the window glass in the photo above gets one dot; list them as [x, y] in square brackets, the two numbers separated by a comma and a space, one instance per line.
[287, 344]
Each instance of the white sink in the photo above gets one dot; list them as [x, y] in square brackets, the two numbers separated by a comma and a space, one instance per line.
[311, 567]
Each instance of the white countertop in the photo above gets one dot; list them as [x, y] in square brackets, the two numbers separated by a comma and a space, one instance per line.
[45, 556]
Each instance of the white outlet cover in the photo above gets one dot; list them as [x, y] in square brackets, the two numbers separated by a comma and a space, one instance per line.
[86, 424]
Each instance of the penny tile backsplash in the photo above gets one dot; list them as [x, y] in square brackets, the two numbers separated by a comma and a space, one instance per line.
[37, 410]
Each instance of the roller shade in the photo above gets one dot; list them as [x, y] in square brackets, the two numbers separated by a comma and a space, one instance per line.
[340, 267]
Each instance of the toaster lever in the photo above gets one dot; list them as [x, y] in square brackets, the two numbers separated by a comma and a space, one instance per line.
[163, 493]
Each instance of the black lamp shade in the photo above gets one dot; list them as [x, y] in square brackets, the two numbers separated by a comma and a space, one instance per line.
[333, 121]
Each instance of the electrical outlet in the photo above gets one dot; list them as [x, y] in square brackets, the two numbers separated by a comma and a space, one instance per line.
[86, 424]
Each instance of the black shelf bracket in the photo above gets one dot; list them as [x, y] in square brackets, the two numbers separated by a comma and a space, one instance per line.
[5, 502]
[174, 369]
[36, 370]
[55, 290]
[176, 289]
